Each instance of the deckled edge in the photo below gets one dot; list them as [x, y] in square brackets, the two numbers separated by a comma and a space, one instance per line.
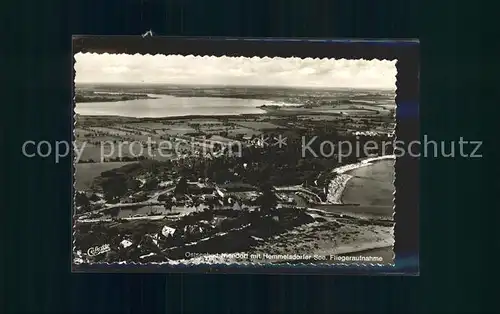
[73, 163]
[249, 265]
[394, 183]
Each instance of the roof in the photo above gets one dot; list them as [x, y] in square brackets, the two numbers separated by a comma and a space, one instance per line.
[238, 186]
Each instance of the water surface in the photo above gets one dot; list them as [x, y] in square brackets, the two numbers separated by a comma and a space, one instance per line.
[171, 106]
[371, 185]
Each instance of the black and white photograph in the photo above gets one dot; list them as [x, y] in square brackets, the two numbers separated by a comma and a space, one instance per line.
[184, 159]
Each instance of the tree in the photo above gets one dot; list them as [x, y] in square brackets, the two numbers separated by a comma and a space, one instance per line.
[268, 200]
[168, 204]
[81, 199]
[94, 197]
[133, 185]
[265, 172]
[164, 197]
[113, 212]
[154, 169]
[114, 187]
[302, 164]
[217, 147]
[196, 127]
[151, 184]
[181, 187]
[167, 200]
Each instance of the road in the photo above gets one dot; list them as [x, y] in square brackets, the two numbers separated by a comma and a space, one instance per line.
[297, 188]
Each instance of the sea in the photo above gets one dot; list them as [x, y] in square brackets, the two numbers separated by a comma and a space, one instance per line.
[372, 185]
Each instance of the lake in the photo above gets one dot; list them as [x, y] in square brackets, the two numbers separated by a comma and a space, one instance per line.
[171, 106]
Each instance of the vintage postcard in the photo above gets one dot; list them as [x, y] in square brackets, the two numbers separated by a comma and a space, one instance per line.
[189, 159]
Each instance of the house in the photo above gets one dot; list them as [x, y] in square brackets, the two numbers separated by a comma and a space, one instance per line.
[199, 188]
[238, 187]
[208, 197]
[236, 206]
[247, 138]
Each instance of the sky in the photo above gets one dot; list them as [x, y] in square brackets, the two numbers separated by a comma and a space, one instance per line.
[209, 70]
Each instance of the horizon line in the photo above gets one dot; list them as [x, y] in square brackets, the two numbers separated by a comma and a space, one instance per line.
[236, 85]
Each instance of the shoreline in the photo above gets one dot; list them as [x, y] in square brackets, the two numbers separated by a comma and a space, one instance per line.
[337, 186]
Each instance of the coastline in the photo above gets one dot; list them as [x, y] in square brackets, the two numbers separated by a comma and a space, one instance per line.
[337, 186]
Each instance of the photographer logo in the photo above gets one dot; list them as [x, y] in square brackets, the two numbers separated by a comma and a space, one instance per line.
[97, 250]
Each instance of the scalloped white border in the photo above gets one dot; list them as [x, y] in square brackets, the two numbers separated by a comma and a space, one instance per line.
[173, 264]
